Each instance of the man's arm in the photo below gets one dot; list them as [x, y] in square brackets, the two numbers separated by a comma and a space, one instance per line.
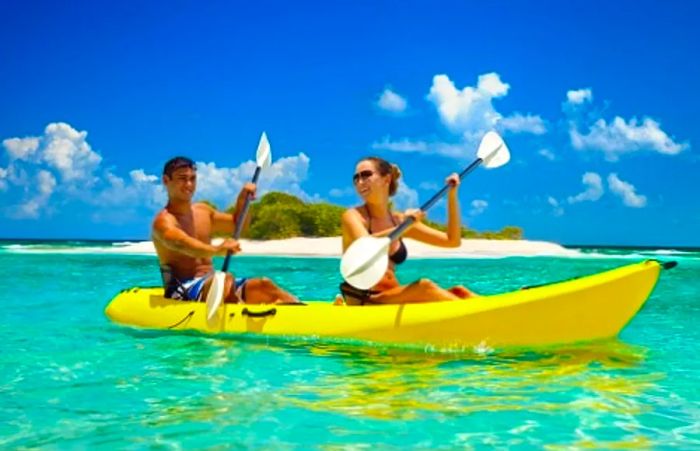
[166, 231]
[226, 222]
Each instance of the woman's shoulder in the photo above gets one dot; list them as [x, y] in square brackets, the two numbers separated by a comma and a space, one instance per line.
[354, 213]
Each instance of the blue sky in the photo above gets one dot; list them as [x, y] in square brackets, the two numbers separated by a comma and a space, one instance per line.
[598, 102]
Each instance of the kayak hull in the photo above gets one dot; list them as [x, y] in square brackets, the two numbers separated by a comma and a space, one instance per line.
[583, 309]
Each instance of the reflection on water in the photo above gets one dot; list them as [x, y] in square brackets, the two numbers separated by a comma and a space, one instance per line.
[394, 386]
[398, 385]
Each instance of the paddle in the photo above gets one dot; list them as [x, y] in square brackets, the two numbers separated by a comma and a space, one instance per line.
[365, 261]
[263, 158]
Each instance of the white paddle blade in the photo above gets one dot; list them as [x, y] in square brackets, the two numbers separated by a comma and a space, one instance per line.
[364, 263]
[216, 294]
[263, 156]
[493, 151]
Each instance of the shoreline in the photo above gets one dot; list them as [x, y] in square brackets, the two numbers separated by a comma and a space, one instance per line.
[330, 247]
[567, 246]
[470, 248]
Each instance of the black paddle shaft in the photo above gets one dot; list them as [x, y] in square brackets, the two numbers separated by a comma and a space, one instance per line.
[241, 220]
[407, 223]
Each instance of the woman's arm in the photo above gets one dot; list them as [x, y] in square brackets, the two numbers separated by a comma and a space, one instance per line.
[453, 236]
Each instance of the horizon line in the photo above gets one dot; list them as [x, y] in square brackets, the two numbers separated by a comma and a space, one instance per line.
[571, 245]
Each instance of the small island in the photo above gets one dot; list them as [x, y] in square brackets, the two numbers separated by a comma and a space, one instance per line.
[280, 215]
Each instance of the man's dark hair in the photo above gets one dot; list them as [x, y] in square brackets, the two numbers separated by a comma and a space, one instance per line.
[176, 163]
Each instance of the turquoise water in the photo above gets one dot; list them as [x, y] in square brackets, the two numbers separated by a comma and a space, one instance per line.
[71, 379]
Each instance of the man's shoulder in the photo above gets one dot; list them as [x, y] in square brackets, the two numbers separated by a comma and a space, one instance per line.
[203, 206]
[162, 218]
[162, 214]
[202, 210]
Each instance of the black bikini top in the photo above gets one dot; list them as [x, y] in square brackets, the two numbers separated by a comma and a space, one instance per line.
[401, 253]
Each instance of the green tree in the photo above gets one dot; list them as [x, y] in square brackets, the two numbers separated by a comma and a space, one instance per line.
[280, 215]
[511, 233]
[321, 219]
[276, 222]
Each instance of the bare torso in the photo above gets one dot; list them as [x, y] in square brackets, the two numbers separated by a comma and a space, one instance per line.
[196, 223]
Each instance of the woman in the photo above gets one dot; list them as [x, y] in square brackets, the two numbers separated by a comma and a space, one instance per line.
[376, 180]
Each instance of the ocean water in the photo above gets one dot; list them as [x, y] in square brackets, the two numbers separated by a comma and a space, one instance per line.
[70, 379]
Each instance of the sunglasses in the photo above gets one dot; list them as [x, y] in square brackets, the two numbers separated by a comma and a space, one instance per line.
[364, 175]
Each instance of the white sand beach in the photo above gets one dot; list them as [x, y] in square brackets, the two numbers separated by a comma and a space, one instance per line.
[330, 247]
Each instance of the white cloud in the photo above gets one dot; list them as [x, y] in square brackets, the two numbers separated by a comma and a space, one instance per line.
[140, 190]
[469, 109]
[3, 176]
[341, 192]
[557, 209]
[21, 148]
[491, 83]
[518, 123]
[469, 113]
[26, 210]
[62, 148]
[621, 137]
[46, 182]
[579, 96]
[478, 207]
[139, 176]
[392, 102]
[222, 185]
[594, 189]
[66, 149]
[546, 153]
[61, 166]
[405, 197]
[429, 186]
[626, 191]
[618, 136]
[459, 150]
[287, 174]
[32, 207]
[402, 145]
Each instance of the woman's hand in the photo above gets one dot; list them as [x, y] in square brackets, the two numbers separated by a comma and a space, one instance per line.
[415, 213]
[453, 180]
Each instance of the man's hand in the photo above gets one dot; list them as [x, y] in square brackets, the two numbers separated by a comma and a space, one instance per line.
[248, 190]
[229, 244]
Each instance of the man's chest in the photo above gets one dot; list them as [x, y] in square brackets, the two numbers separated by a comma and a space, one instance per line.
[197, 225]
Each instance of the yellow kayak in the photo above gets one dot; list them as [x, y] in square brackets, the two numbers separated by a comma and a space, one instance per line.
[587, 308]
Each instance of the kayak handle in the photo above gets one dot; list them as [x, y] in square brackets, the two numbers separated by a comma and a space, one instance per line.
[261, 314]
[188, 316]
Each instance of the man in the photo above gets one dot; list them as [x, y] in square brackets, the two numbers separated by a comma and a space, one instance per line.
[182, 234]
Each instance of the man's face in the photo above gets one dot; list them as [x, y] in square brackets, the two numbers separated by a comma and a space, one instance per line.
[182, 184]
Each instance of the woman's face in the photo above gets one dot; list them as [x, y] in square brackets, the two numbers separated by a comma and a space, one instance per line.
[369, 183]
